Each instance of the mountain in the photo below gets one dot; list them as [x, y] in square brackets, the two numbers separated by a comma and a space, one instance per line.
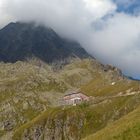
[31, 91]
[20, 41]
[30, 94]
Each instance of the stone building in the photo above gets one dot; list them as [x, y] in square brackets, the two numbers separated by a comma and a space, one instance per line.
[74, 98]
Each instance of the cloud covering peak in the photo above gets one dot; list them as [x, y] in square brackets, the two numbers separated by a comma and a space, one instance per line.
[111, 35]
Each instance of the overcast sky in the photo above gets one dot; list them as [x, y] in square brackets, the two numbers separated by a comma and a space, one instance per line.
[108, 29]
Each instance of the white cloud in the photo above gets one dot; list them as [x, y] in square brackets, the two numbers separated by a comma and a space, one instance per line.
[4, 16]
[52, 11]
[110, 36]
[99, 8]
[118, 42]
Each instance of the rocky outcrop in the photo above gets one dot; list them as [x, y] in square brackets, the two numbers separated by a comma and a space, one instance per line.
[59, 126]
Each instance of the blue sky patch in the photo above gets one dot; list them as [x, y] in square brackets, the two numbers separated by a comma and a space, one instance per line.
[128, 6]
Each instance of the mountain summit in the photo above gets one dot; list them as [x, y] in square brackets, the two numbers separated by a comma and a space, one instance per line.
[19, 41]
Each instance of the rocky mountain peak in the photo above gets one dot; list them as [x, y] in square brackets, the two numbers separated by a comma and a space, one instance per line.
[19, 41]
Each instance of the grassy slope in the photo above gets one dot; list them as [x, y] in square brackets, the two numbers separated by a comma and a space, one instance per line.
[52, 114]
[36, 86]
[97, 87]
[126, 128]
[94, 117]
[41, 87]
